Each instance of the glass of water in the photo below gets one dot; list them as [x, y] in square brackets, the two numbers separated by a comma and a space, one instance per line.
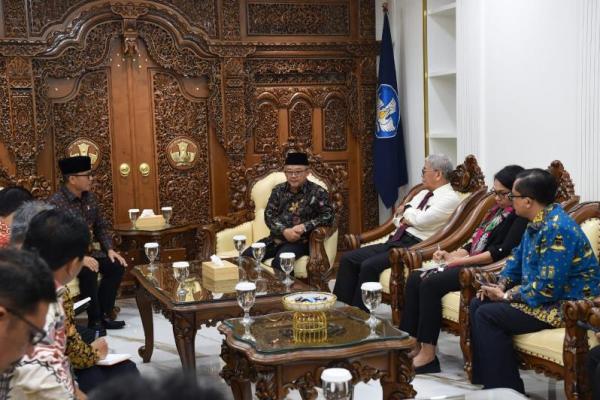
[181, 271]
[134, 213]
[371, 297]
[246, 295]
[337, 384]
[286, 260]
[258, 252]
[167, 212]
[239, 242]
[151, 250]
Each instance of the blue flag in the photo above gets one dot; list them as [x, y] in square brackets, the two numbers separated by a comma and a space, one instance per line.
[388, 150]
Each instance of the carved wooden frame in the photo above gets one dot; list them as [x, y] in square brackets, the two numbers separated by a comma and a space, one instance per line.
[575, 344]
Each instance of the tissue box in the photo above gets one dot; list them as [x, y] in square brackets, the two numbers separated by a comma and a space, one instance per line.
[225, 286]
[151, 222]
[226, 272]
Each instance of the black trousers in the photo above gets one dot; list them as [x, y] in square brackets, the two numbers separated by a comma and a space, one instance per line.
[364, 265]
[103, 295]
[422, 313]
[90, 378]
[493, 325]
[593, 366]
[273, 250]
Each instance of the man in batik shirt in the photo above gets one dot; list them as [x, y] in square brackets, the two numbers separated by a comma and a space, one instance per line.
[553, 263]
[295, 208]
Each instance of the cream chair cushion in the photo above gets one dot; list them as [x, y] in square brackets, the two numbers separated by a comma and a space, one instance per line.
[450, 306]
[591, 228]
[546, 344]
[257, 229]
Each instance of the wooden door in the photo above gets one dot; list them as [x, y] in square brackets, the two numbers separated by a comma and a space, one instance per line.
[144, 123]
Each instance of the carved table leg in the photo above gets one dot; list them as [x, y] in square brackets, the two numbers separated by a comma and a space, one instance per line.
[266, 384]
[144, 304]
[400, 388]
[184, 329]
[236, 372]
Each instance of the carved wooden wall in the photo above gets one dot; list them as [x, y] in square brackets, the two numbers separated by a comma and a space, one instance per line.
[190, 88]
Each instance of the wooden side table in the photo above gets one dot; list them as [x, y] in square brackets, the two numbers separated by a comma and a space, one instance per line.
[177, 243]
[276, 364]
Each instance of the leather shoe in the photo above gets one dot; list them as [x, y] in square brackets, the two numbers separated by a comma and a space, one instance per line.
[108, 324]
[97, 329]
[431, 367]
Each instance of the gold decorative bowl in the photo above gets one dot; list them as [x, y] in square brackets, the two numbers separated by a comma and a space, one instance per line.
[309, 301]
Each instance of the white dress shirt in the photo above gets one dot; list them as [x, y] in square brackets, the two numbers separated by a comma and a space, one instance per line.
[434, 215]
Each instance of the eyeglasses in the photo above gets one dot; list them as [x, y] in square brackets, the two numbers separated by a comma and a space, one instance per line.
[296, 172]
[88, 175]
[36, 335]
[426, 170]
[499, 193]
[512, 196]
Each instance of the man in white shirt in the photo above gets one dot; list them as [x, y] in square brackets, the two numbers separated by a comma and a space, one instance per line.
[427, 212]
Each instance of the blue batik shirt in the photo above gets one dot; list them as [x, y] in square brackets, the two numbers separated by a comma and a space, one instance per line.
[553, 263]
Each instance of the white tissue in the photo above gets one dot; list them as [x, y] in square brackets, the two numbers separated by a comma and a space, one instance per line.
[147, 212]
[216, 260]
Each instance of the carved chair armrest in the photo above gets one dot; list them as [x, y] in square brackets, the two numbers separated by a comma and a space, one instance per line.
[318, 264]
[352, 241]
[207, 234]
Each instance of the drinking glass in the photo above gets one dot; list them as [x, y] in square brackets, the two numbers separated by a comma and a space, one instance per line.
[151, 250]
[181, 271]
[371, 296]
[286, 260]
[337, 384]
[134, 213]
[167, 212]
[258, 252]
[246, 295]
[239, 242]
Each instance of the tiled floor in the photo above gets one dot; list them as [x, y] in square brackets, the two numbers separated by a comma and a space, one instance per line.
[451, 382]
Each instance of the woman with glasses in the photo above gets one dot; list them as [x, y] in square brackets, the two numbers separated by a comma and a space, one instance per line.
[499, 232]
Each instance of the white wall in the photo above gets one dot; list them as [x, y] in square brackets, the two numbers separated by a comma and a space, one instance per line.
[406, 27]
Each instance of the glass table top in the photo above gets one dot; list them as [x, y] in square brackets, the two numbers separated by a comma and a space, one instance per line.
[346, 327]
[198, 290]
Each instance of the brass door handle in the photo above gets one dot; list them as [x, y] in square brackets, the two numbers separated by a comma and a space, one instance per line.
[124, 170]
[145, 169]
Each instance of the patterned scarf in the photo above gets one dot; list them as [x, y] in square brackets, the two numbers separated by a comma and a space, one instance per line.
[492, 219]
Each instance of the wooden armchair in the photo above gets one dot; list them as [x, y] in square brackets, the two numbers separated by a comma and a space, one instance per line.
[554, 352]
[251, 190]
[408, 259]
[468, 182]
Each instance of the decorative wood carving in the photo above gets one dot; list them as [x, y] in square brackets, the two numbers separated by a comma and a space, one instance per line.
[367, 19]
[188, 191]
[182, 153]
[467, 177]
[369, 195]
[298, 19]
[5, 131]
[334, 125]
[231, 19]
[267, 126]
[85, 147]
[15, 25]
[43, 13]
[295, 71]
[21, 146]
[39, 186]
[343, 212]
[129, 10]
[19, 73]
[566, 188]
[301, 115]
[86, 117]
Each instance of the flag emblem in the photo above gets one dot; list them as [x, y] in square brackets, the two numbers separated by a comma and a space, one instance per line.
[387, 112]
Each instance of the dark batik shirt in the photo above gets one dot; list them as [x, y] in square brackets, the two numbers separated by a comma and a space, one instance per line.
[309, 206]
[88, 209]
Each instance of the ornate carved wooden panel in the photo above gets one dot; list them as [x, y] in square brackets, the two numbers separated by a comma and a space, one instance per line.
[367, 19]
[15, 24]
[43, 13]
[187, 190]
[301, 114]
[267, 125]
[334, 125]
[5, 131]
[86, 116]
[231, 19]
[298, 19]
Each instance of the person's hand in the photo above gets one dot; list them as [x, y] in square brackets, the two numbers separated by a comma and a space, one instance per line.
[299, 229]
[91, 263]
[399, 211]
[79, 395]
[440, 255]
[113, 255]
[101, 347]
[291, 235]
[492, 292]
[598, 336]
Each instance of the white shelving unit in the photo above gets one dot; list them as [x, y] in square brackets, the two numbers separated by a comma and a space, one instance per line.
[439, 30]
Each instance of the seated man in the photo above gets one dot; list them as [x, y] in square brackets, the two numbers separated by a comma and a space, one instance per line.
[295, 208]
[553, 263]
[61, 240]
[75, 198]
[427, 212]
[26, 290]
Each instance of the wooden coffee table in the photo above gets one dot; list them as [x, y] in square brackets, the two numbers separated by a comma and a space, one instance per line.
[200, 306]
[276, 364]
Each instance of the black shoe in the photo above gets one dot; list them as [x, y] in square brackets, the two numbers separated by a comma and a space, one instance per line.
[96, 329]
[431, 367]
[108, 324]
